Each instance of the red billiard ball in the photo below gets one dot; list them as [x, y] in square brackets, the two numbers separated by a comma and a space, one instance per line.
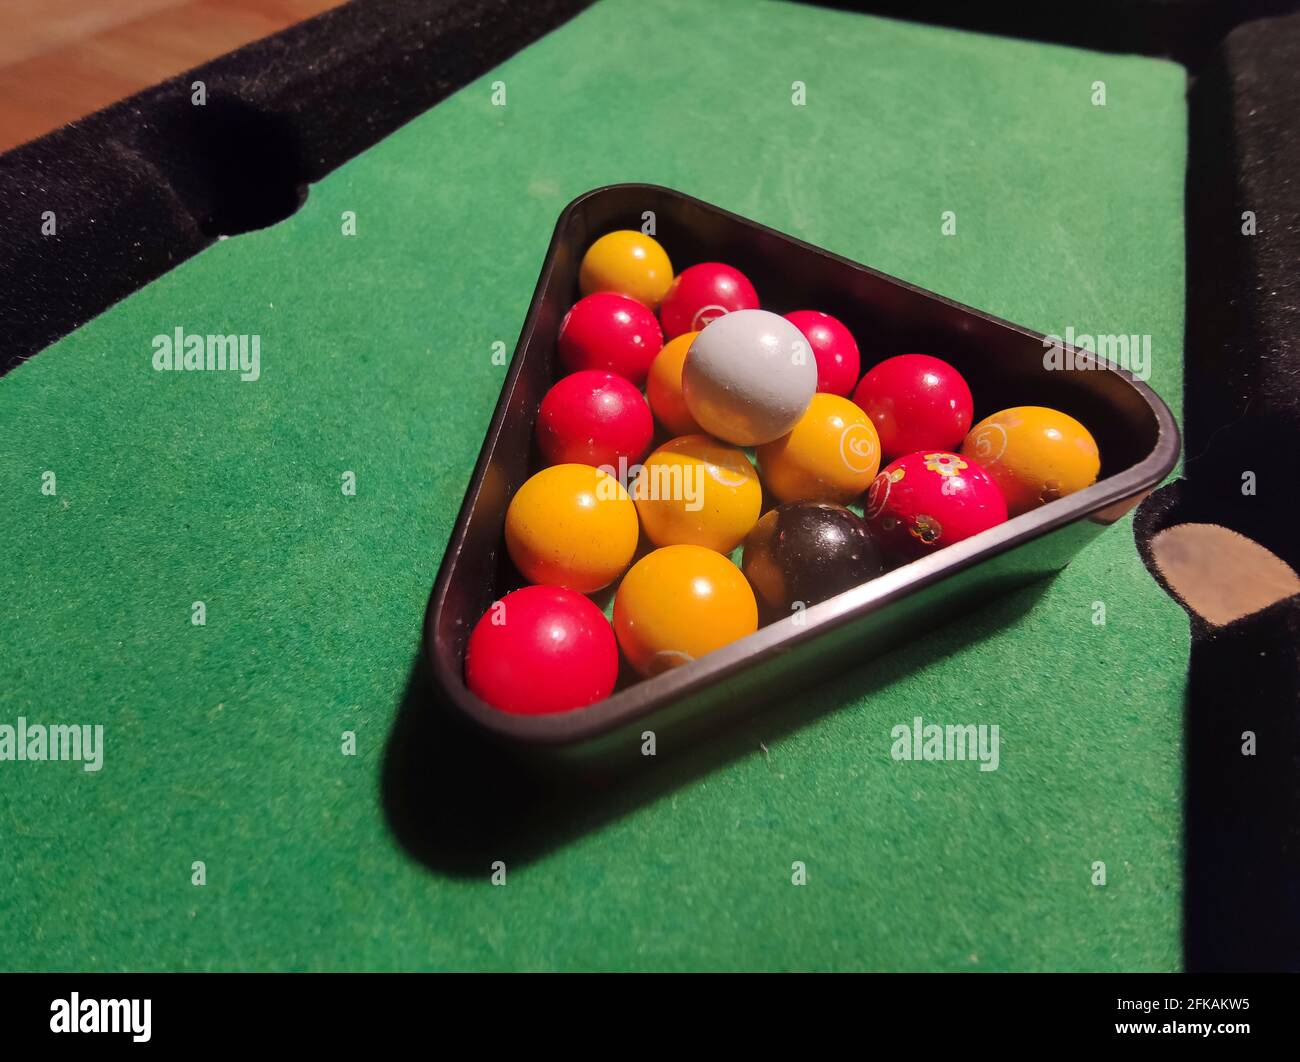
[594, 418]
[917, 403]
[834, 347]
[928, 500]
[703, 293]
[612, 332]
[541, 650]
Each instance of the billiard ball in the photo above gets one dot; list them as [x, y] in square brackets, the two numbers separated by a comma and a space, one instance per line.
[594, 418]
[833, 345]
[697, 491]
[917, 402]
[831, 455]
[805, 552]
[928, 500]
[1034, 454]
[629, 263]
[610, 332]
[703, 293]
[572, 526]
[663, 387]
[540, 650]
[749, 377]
[679, 603]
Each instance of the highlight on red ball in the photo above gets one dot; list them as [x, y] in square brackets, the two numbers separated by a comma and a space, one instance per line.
[833, 345]
[613, 332]
[703, 293]
[541, 650]
[917, 402]
[928, 500]
[594, 418]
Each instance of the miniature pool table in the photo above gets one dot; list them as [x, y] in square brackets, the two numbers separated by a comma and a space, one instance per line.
[227, 570]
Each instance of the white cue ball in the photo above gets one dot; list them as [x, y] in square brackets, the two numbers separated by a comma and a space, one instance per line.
[748, 377]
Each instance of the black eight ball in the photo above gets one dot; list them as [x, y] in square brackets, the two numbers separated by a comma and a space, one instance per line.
[805, 552]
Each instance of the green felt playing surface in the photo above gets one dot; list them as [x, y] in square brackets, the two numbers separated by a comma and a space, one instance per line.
[223, 741]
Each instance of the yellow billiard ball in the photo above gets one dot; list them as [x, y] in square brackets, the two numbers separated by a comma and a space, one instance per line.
[1034, 454]
[629, 263]
[831, 455]
[572, 526]
[678, 603]
[696, 491]
[663, 387]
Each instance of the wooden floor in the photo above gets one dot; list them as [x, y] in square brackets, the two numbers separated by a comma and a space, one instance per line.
[61, 59]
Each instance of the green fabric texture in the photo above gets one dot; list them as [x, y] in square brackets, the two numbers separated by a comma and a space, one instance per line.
[223, 741]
